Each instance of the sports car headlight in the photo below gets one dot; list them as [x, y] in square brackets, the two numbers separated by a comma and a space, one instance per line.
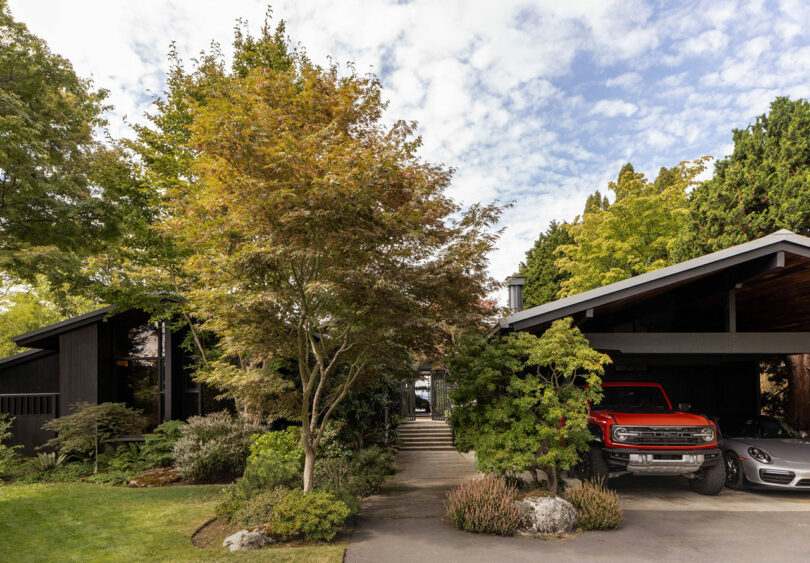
[707, 434]
[759, 455]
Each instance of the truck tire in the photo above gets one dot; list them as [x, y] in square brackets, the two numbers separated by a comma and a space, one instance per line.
[710, 480]
[595, 465]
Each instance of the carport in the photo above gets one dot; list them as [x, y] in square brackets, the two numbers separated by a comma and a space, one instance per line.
[700, 327]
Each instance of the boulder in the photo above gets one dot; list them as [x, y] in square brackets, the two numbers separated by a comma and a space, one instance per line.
[246, 539]
[157, 477]
[542, 515]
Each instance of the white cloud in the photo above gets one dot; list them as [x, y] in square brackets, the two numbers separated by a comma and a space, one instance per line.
[519, 96]
[627, 80]
[613, 108]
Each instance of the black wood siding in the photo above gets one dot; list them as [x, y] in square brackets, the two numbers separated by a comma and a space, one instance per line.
[78, 367]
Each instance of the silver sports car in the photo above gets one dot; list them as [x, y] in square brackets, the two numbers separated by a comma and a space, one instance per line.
[764, 451]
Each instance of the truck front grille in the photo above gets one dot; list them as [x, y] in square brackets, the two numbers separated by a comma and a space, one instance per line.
[665, 436]
[776, 476]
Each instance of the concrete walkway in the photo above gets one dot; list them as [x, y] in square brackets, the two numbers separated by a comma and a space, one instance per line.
[664, 521]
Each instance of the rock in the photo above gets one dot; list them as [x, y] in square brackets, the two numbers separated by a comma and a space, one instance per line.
[157, 477]
[246, 539]
[546, 515]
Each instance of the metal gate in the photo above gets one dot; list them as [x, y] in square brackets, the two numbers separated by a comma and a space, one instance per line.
[408, 401]
[439, 401]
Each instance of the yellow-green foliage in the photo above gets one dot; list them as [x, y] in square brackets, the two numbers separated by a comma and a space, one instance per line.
[597, 506]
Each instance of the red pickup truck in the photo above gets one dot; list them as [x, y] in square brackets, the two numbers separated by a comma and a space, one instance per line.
[636, 431]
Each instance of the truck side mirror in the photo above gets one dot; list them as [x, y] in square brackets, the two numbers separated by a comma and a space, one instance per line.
[686, 407]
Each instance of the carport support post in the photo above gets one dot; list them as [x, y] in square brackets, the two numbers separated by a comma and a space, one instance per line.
[731, 309]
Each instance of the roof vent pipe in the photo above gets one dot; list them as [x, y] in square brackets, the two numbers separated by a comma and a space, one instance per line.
[516, 284]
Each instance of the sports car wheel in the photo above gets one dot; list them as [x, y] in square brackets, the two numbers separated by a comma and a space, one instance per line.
[735, 477]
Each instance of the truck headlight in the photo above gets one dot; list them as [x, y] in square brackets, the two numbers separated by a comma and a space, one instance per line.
[707, 434]
[622, 434]
[759, 455]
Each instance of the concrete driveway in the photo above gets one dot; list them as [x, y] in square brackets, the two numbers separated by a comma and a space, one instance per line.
[664, 521]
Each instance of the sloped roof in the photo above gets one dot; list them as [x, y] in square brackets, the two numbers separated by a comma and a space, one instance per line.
[35, 337]
[23, 357]
[783, 240]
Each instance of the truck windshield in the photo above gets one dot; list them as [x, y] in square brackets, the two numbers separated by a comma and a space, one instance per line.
[633, 399]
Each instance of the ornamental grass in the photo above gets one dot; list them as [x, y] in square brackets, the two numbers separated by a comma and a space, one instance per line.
[597, 506]
[484, 506]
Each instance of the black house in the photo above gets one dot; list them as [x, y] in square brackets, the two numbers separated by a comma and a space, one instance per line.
[700, 328]
[102, 356]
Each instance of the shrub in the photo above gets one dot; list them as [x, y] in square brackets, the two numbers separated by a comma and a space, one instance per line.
[369, 468]
[259, 508]
[213, 448]
[157, 447]
[84, 431]
[279, 447]
[484, 506]
[47, 461]
[315, 516]
[331, 473]
[597, 506]
[8, 454]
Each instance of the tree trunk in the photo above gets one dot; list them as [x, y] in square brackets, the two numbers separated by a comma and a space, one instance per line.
[551, 473]
[797, 411]
[309, 468]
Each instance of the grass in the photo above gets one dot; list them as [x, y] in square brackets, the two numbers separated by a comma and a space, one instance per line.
[88, 522]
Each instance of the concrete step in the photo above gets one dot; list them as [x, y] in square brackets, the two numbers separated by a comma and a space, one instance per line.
[427, 448]
[426, 434]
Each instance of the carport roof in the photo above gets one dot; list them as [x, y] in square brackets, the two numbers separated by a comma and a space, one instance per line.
[780, 241]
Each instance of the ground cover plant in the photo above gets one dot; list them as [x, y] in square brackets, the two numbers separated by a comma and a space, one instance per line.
[484, 506]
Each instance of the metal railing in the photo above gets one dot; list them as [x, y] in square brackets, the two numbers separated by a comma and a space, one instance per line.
[30, 404]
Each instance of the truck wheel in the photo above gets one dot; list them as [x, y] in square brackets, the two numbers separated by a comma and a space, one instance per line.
[595, 465]
[735, 476]
[709, 481]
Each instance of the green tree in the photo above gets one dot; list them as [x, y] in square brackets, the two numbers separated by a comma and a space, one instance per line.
[633, 235]
[35, 306]
[316, 233]
[544, 278]
[88, 427]
[58, 197]
[763, 186]
[522, 402]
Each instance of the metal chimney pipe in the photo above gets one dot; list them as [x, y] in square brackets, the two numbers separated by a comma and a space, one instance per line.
[516, 284]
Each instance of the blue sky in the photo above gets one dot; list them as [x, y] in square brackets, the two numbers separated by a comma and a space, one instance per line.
[539, 103]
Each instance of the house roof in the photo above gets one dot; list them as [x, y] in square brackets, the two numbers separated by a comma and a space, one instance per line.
[783, 240]
[22, 357]
[36, 337]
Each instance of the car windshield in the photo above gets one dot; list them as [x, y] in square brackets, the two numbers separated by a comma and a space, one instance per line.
[756, 427]
[635, 399]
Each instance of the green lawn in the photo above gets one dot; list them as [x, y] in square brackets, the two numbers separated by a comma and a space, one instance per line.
[87, 522]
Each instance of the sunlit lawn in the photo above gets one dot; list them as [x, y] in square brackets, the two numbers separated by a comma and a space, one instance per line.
[88, 522]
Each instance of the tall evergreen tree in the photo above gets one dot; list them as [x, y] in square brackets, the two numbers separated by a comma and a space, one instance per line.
[543, 278]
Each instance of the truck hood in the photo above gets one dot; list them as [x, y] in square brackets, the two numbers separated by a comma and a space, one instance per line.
[674, 418]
